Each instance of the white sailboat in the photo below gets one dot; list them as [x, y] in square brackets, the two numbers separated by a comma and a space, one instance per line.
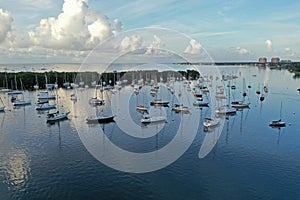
[152, 119]
[95, 101]
[22, 102]
[278, 123]
[181, 108]
[101, 117]
[226, 109]
[36, 86]
[46, 96]
[211, 122]
[57, 116]
[45, 106]
[16, 91]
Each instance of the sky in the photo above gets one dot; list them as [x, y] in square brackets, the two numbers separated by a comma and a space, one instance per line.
[55, 31]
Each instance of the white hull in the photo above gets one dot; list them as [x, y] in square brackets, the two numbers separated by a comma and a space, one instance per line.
[57, 117]
[22, 103]
[142, 108]
[15, 92]
[153, 119]
[180, 109]
[239, 105]
[209, 122]
[225, 110]
[46, 95]
[45, 107]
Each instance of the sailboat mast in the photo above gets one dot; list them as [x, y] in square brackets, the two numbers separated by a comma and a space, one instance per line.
[281, 110]
[16, 84]
[6, 80]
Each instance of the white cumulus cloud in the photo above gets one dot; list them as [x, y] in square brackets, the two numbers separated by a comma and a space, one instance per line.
[193, 48]
[77, 27]
[269, 45]
[156, 47]
[131, 43]
[6, 30]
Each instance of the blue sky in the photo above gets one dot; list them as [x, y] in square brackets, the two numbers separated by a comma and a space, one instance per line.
[240, 30]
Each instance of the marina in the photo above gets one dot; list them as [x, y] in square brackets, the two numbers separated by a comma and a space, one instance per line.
[53, 160]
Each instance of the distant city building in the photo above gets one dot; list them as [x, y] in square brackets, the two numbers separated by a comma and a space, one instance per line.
[262, 60]
[275, 60]
[286, 61]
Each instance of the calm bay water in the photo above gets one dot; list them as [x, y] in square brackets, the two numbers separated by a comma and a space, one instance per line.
[249, 161]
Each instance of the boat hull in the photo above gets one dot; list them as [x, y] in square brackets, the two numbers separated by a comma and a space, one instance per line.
[100, 120]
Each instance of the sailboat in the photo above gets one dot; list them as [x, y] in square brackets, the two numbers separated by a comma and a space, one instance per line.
[226, 109]
[100, 117]
[16, 91]
[46, 96]
[180, 108]
[278, 123]
[36, 86]
[200, 103]
[241, 104]
[147, 118]
[2, 107]
[22, 102]
[94, 100]
[57, 116]
[211, 122]
[141, 107]
[5, 89]
[45, 106]
[159, 102]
